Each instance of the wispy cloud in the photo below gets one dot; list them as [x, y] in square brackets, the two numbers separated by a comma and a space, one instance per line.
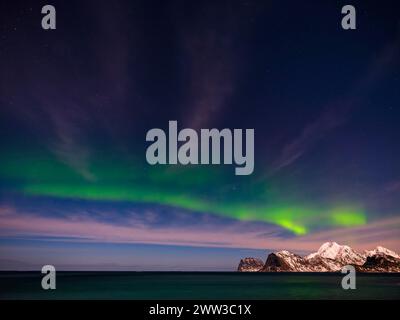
[212, 67]
[331, 118]
[69, 146]
[338, 112]
[85, 228]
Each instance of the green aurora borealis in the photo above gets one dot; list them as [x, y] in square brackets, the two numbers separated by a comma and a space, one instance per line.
[210, 189]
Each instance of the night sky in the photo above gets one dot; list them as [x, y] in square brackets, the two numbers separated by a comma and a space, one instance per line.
[76, 104]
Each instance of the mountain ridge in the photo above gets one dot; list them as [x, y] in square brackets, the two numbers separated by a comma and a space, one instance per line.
[330, 257]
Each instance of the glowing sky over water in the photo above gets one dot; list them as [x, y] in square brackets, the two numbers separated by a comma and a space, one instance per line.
[76, 104]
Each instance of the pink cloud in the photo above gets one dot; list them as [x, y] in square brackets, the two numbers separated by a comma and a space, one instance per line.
[86, 229]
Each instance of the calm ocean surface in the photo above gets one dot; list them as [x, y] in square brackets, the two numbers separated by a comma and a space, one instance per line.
[197, 285]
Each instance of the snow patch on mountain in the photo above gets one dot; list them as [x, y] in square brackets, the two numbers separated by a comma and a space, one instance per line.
[340, 253]
[381, 250]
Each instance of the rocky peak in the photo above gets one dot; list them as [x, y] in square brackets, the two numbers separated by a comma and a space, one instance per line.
[340, 253]
[382, 250]
[250, 264]
[285, 261]
[381, 262]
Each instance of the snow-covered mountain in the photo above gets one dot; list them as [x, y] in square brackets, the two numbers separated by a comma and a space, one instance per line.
[342, 254]
[380, 263]
[330, 257]
[285, 261]
[382, 250]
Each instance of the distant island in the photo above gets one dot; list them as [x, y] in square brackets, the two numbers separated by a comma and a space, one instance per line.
[330, 257]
